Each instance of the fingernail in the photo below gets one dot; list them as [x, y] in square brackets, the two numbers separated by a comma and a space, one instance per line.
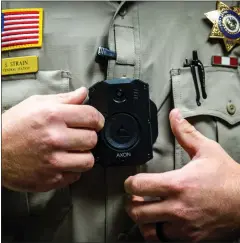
[126, 185]
[101, 121]
[81, 91]
[178, 115]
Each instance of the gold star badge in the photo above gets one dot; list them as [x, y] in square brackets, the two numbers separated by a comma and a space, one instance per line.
[226, 24]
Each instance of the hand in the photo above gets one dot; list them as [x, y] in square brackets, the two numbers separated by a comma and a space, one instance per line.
[46, 141]
[200, 201]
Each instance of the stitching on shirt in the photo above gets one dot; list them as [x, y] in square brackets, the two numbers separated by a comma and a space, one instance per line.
[220, 114]
[135, 42]
[176, 147]
[139, 62]
[208, 69]
[125, 62]
[180, 98]
[124, 26]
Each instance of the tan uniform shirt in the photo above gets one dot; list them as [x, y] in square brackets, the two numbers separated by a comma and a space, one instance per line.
[152, 40]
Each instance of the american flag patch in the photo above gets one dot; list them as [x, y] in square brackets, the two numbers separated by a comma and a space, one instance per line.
[21, 28]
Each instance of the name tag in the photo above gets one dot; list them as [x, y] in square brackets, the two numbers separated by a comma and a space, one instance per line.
[19, 65]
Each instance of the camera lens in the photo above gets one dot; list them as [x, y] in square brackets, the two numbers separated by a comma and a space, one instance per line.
[119, 96]
[121, 131]
[119, 93]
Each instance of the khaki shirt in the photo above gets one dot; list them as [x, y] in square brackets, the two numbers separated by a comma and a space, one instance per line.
[152, 41]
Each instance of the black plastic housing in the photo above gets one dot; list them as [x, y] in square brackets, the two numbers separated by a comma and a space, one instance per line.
[130, 122]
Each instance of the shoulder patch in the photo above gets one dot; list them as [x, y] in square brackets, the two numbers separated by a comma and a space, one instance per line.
[21, 28]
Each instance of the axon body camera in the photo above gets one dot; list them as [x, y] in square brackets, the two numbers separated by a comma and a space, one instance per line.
[130, 128]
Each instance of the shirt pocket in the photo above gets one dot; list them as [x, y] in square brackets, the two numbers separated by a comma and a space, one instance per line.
[218, 116]
[33, 216]
[16, 88]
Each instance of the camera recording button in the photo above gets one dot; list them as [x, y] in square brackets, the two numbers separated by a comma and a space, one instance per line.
[119, 93]
[119, 96]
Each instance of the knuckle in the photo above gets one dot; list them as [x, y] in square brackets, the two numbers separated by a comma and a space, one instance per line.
[179, 211]
[177, 184]
[186, 185]
[188, 128]
[53, 139]
[176, 187]
[62, 96]
[52, 114]
[135, 214]
[53, 159]
[136, 184]
[184, 212]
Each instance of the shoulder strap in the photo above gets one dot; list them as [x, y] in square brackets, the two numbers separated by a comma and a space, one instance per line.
[124, 39]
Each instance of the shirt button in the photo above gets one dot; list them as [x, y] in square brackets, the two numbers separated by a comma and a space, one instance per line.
[123, 12]
[122, 237]
[231, 108]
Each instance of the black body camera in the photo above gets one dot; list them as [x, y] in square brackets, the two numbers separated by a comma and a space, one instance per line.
[130, 128]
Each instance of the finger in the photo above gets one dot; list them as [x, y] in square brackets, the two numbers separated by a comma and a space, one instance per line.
[145, 212]
[153, 185]
[186, 134]
[67, 179]
[60, 180]
[74, 97]
[148, 231]
[132, 198]
[182, 231]
[75, 162]
[82, 116]
[78, 139]
[137, 199]
[174, 231]
[58, 177]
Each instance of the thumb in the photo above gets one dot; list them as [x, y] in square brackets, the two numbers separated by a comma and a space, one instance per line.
[186, 134]
[75, 97]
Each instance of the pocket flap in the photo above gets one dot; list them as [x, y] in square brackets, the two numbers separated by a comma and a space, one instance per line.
[223, 93]
[16, 88]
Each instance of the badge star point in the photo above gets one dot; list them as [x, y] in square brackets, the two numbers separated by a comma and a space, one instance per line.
[226, 24]
[222, 6]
